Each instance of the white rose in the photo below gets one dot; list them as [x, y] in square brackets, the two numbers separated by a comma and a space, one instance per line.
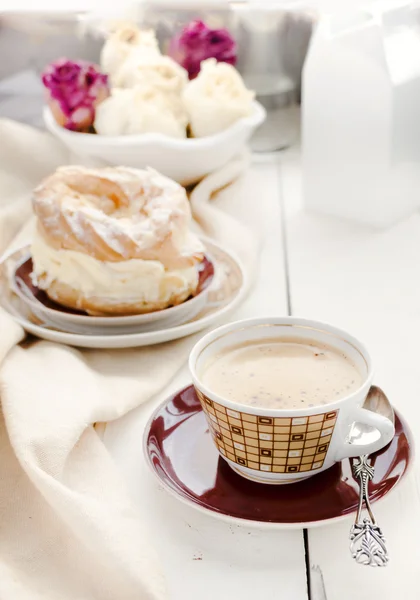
[216, 98]
[158, 71]
[141, 110]
[122, 42]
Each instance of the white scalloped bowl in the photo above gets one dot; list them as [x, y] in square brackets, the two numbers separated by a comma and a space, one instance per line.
[184, 160]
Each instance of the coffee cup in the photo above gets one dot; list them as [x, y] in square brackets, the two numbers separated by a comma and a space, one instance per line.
[307, 431]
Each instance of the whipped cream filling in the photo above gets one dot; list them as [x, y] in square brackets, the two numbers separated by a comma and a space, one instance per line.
[129, 281]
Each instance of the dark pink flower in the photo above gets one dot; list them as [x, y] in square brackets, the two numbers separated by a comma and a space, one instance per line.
[74, 90]
[196, 42]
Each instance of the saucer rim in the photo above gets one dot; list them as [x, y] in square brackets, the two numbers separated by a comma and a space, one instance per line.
[264, 525]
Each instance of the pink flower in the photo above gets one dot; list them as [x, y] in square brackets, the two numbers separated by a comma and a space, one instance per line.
[196, 42]
[74, 91]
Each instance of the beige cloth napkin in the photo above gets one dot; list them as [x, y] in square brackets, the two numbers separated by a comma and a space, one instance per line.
[68, 530]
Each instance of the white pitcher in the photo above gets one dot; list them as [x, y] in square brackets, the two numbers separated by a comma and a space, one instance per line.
[361, 115]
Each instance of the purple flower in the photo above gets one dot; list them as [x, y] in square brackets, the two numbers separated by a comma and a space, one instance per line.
[196, 42]
[74, 90]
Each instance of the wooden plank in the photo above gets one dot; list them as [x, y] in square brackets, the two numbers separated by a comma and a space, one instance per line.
[204, 558]
[367, 282]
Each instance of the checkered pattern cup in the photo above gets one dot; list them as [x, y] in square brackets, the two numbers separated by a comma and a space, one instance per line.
[278, 445]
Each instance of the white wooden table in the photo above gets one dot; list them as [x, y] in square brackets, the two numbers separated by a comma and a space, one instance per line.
[364, 281]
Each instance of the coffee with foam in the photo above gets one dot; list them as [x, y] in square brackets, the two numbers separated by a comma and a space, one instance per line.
[281, 374]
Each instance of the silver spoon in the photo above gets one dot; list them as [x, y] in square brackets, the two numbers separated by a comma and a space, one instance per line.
[367, 543]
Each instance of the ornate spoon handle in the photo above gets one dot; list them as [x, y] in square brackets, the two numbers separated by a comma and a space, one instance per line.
[367, 543]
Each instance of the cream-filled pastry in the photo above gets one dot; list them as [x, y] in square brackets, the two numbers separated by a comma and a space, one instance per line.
[142, 109]
[216, 98]
[123, 41]
[114, 240]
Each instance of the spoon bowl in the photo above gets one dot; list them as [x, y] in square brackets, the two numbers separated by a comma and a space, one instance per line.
[376, 401]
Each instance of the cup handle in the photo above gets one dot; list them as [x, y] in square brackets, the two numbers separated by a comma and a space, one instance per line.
[367, 417]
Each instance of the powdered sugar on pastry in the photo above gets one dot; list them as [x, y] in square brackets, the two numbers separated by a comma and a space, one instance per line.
[117, 214]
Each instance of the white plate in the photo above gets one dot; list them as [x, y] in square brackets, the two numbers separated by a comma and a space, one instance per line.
[223, 299]
[185, 160]
[103, 325]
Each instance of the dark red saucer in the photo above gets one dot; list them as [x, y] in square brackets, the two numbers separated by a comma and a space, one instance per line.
[181, 453]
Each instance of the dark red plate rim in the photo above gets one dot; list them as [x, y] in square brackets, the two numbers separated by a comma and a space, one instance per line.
[330, 495]
[24, 271]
